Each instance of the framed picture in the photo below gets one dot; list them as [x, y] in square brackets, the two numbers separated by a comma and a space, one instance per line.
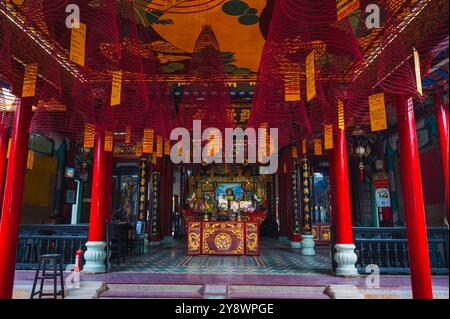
[71, 197]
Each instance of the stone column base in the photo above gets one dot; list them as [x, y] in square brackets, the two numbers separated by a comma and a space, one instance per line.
[296, 245]
[95, 257]
[345, 258]
[308, 245]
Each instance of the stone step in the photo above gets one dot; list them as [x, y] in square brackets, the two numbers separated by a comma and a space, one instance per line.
[86, 290]
[212, 291]
[400, 294]
[152, 291]
[276, 292]
[343, 292]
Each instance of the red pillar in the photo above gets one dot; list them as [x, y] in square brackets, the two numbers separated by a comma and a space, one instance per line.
[109, 162]
[344, 256]
[441, 112]
[12, 199]
[343, 213]
[332, 177]
[416, 229]
[97, 213]
[4, 140]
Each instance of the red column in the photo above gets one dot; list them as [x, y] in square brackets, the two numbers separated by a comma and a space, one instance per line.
[97, 214]
[343, 215]
[441, 112]
[332, 177]
[4, 140]
[108, 184]
[416, 229]
[12, 199]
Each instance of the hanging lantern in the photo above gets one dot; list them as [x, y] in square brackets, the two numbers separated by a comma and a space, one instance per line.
[360, 151]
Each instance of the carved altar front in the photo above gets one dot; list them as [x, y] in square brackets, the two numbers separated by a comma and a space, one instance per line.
[223, 238]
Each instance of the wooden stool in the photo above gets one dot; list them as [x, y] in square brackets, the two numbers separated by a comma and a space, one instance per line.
[55, 272]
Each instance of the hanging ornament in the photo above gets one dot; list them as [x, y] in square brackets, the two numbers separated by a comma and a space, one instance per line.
[361, 152]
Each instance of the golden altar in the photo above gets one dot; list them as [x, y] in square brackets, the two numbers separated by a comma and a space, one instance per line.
[223, 238]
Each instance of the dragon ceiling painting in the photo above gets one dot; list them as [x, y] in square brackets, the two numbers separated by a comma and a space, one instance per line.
[239, 26]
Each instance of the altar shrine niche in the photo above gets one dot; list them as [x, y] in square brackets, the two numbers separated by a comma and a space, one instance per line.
[225, 209]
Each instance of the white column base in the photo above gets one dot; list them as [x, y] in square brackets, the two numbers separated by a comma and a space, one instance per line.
[95, 257]
[346, 259]
[308, 245]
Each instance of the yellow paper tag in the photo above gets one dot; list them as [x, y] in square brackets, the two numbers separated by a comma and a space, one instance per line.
[128, 135]
[317, 146]
[328, 136]
[292, 88]
[304, 147]
[345, 7]
[89, 134]
[294, 152]
[116, 88]
[154, 159]
[264, 141]
[211, 146]
[30, 159]
[109, 141]
[148, 139]
[341, 115]
[29, 80]
[167, 147]
[310, 77]
[78, 44]
[138, 149]
[9, 148]
[377, 112]
[417, 71]
[159, 146]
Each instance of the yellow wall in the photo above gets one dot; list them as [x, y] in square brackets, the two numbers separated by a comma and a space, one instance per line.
[39, 190]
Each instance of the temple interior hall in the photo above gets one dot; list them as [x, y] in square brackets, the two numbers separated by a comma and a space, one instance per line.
[224, 149]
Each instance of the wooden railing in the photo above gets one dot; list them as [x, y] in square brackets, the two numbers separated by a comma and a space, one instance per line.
[388, 249]
[35, 240]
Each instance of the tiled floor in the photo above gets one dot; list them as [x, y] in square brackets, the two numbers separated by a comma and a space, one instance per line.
[274, 259]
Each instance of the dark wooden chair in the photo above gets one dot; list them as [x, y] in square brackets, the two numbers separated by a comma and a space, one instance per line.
[117, 241]
[135, 243]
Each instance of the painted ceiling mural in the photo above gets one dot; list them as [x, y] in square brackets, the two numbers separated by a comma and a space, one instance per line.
[238, 26]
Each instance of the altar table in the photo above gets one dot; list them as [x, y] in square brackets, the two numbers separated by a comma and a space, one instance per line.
[223, 238]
